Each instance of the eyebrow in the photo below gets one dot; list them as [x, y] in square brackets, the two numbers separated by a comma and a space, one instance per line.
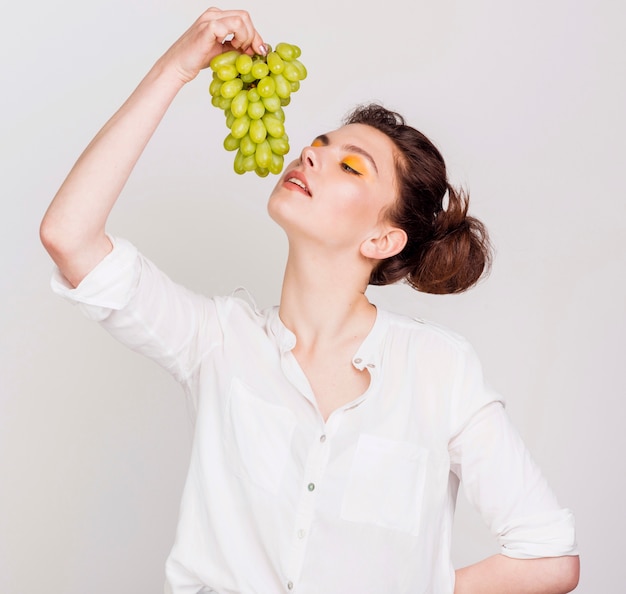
[323, 138]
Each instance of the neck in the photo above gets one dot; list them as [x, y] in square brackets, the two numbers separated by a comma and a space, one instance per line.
[323, 297]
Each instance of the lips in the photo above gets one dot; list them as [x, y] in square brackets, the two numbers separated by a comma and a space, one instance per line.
[295, 180]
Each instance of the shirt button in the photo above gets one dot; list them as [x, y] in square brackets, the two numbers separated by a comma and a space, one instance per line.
[357, 361]
[371, 365]
[290, 585]
[301, 533]
[323, 438]
[311, 486]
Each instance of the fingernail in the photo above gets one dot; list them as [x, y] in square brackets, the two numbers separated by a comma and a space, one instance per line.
[263, 49]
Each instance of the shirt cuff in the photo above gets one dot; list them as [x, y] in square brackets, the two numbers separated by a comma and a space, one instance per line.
[549, 534]
[109, 286]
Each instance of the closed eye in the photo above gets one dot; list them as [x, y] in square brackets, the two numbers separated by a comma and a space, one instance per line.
[353, 165]
[349, 169]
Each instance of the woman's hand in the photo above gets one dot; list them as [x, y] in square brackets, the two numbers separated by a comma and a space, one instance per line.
[214, 32]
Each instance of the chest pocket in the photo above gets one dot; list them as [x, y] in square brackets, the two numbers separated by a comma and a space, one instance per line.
[386, 484]
[258, 437]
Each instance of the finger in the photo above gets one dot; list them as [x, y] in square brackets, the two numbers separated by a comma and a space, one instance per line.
[235, 20]
[241, 32]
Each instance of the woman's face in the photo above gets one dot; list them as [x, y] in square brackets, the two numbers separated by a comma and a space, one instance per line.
[336, 193]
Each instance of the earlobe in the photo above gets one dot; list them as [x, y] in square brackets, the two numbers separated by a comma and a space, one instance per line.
[390, 243]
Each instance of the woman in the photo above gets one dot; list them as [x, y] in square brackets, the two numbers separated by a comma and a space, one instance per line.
[330, 437]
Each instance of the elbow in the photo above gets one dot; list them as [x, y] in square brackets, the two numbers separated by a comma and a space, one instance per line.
[50, 237]
[64, 251]
[56, 242]
[47, 234]
[59, 240]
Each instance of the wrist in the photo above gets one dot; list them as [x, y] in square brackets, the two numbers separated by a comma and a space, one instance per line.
[168, 75]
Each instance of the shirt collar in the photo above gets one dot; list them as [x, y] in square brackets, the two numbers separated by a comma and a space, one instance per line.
[285, 338]
[368, 354]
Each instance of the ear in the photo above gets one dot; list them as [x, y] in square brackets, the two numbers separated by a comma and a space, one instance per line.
[389, 242]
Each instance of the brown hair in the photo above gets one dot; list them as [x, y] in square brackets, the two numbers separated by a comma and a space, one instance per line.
[447, 251]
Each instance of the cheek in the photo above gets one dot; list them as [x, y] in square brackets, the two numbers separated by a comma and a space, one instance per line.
[357, 206]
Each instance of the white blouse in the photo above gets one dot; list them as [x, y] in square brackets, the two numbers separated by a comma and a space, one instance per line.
[277, 500]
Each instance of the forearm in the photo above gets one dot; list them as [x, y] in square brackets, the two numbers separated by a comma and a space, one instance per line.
[502, 575]
[73, 227]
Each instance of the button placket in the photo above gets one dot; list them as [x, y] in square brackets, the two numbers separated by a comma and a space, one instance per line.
[313, 473]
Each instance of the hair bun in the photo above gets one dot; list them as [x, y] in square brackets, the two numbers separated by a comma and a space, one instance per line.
[458, 254]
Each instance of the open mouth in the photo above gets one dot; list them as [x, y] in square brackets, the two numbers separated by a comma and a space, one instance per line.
[299, 183]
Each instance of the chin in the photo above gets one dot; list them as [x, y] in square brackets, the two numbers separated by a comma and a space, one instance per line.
[275, 207]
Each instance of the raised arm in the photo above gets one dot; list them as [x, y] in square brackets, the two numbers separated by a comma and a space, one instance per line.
[73, 228]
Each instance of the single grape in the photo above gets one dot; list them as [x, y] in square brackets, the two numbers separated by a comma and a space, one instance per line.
[283, 88]
[266, 86]
[239, 104]
[249, 163]
[247, 146]
[225, 103]
[263, 154]
[238, 163]
[248, 78]
[231, 143]
[286, 51]
[230, 88]
[273, 125]
[256, 109]
[262, 172]
[259, 69]
[291, 73]
[280, 146]
[271, 103]
[275, 63]
[224, 59]
[243, 63]
[215, 86]
[227, 72]
[301, 68]
[295, 85]
[257, 131]
[240, 126]
[253, 94]
[276, 166]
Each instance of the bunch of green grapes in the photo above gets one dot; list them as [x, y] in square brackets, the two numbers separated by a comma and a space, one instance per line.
[252, 91]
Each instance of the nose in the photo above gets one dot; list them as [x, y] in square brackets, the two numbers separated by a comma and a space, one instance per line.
[309, 157]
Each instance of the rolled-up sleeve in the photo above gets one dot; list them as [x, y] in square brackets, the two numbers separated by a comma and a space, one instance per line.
[501, 479]
[108, 287]
[144, 309]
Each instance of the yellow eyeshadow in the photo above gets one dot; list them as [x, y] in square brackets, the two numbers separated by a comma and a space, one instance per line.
[317, 142]
[356, 163]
